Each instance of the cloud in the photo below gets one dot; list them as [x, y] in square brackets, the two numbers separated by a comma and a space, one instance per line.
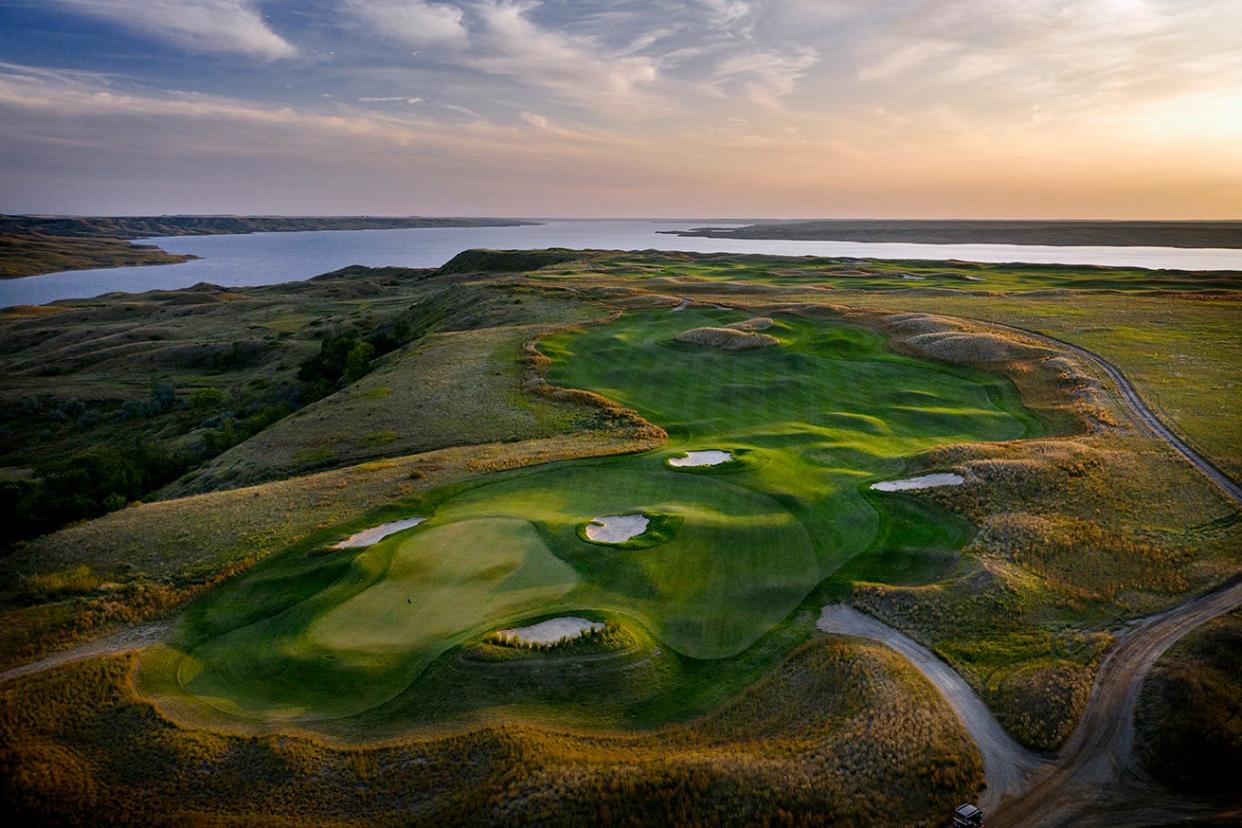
[416, 22]
[575, 67]
[233, 26]
[390, 99]
[764, 77]
[726, 12]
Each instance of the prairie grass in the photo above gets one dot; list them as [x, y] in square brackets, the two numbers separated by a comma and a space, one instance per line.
[1188, 731]
[841, 732]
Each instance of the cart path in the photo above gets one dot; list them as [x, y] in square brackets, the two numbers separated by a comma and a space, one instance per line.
[1096, 770]
[1139, 409]
[131, 638]
[1007, 765]
[1094, 775]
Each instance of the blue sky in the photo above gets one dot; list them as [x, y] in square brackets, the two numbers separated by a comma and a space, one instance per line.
[696, 108]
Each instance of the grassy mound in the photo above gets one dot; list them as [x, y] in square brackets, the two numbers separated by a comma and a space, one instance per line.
[807, 742]
[726, 339]
[1189, 719]
[507, 261]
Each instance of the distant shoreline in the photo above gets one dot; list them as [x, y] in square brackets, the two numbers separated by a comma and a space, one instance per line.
[35, 245]
[1184, 234]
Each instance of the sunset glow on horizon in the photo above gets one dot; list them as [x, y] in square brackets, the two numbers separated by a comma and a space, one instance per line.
[716, 108]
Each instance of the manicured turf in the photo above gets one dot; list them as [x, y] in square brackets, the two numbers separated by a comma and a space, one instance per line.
[818, 417]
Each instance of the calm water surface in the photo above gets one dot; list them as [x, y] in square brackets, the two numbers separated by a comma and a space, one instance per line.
[268, 258]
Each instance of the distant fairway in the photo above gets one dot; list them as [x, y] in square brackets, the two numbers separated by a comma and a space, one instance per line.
[813, 421]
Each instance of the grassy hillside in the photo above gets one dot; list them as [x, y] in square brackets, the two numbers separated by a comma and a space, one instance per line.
[1068, 523]
[1110, 233]
[459, 383]
[1189, 719]
[30, 245]
[28, 254]
[808, 743]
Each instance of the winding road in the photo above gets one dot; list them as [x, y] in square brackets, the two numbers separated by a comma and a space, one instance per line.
[1093, 779]
[1007, 765]
[1138, 409]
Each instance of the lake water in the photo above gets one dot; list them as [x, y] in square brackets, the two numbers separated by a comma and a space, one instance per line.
[268, 258]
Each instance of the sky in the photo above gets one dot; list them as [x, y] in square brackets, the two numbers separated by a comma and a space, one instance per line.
[672, 108]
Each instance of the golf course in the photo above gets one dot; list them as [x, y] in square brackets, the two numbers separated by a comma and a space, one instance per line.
[552, 535]
[811, 422]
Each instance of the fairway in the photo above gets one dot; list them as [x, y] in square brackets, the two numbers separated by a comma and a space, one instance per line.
[811, 421]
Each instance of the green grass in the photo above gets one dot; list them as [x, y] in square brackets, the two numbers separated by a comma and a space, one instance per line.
[818, 417]
[1181, 353]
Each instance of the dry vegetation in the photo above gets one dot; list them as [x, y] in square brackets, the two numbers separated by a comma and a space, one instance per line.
[841, 733]
[726, 338]
[1073, 536]
[1189, 719]
[28, 254]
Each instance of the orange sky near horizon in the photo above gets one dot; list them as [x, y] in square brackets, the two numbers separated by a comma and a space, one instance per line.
[705, 108]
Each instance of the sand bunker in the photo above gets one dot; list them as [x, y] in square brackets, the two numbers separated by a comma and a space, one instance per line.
[926, 481]
[710, 457]
[552, 631]
[616, 528]
[726, 339]
[377, 533]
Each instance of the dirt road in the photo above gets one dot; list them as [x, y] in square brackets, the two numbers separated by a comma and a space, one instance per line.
[1095, 772]
[1094, 778]
[130, 639]
[1142, 414]
[1007, 765]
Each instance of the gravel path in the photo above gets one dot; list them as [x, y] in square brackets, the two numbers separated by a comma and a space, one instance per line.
[133, 638]
[1094, 778]
[1144, 415]
[1007, 765]
[1095, 773]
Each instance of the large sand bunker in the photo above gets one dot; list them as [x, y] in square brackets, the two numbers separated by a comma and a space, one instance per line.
[616, 528]
[377, 533]
[552, 631]
[727, 339]
[926, 481]
[708, 457]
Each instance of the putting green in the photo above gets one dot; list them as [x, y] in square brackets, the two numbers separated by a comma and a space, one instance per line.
[815, 419]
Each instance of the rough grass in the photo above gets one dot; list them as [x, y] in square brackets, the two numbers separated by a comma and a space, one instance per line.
[726, 339]
[1074, 536]
[459, 382]
[455, 388]
[841, 732]
[246, 344]
[28, 254]
[1180, 351]
[1189, 718]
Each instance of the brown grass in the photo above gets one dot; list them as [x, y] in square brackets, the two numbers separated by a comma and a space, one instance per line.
[841, 733]
[726, 339]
